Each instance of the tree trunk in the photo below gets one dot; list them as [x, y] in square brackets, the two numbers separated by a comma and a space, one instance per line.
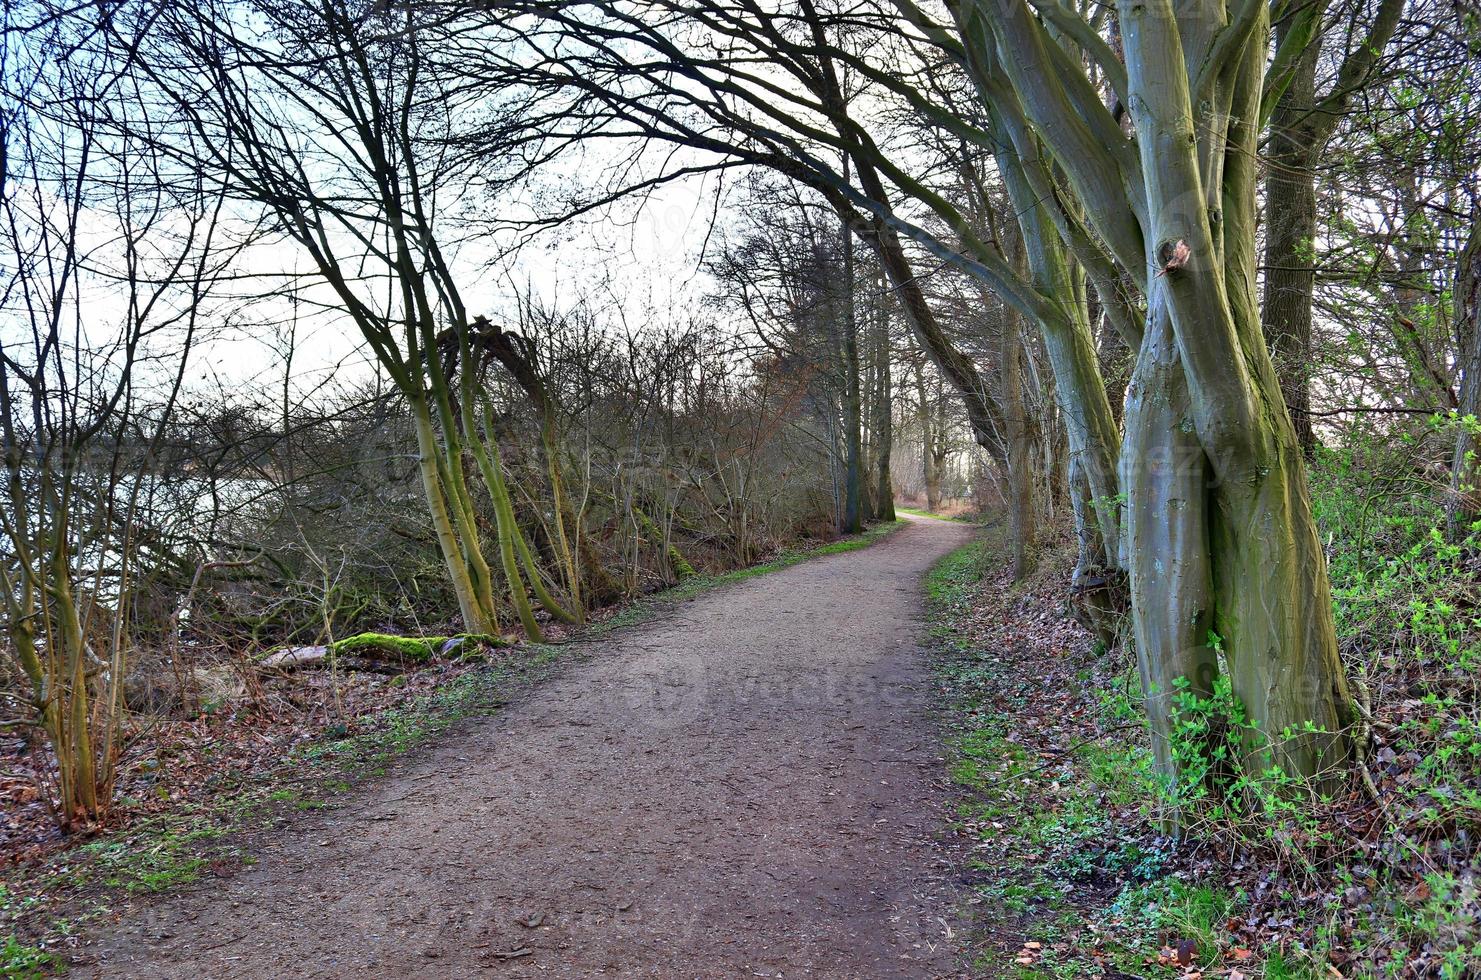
[1115, 367]
[1020, 445]
[1465, 475]
[884, 418]
[984, 416]
[1271, 603]
[853, 423]
[1065, 327]
[477, 617]
[1166, 478]
[1290, 233]
[1301, 123]
[931, 471]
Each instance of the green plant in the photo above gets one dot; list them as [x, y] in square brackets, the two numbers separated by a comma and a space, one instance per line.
[156, 862]
[1175, 910]
[1444, 913]
[22, 961]
[1228, 774]
[1293, 965]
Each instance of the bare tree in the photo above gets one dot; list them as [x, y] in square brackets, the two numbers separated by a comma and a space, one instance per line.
[330, 117]
[110, 260]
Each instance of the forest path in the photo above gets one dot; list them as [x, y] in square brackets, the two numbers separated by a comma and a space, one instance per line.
[743, 787]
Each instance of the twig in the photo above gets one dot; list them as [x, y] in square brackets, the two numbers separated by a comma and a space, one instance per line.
[1364, 705]
[1376, 410]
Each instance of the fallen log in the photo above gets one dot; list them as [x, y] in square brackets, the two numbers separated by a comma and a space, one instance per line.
[380, 649]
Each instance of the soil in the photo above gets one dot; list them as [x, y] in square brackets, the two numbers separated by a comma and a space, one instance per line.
[749, 786]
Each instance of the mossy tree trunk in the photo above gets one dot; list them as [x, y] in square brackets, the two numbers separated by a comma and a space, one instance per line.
[1220, 540]
[1021, 478]
[1271, 608]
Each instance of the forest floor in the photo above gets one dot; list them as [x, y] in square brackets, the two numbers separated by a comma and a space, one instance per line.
[749, 785]
[1070, 873]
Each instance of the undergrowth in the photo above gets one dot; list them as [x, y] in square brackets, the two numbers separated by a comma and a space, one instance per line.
[1071, 873]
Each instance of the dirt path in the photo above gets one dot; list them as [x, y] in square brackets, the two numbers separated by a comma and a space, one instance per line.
[743, 788]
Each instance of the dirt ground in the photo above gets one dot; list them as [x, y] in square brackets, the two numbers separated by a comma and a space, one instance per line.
[748, 786]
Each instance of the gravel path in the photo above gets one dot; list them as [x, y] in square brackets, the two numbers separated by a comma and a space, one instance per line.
[742, 788]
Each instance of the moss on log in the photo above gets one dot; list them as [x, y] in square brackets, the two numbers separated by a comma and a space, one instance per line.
[382, 647]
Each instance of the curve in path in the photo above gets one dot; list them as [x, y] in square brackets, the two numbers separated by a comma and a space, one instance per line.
[742, 788]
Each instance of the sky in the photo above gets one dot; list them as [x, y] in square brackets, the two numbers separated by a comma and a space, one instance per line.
[633, 261]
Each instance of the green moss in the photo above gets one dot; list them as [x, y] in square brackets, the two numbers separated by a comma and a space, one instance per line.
[682, 569]
[414, 648]
[405, 647]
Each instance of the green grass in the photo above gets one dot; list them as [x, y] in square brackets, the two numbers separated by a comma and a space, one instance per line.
[1174, 909]
[158, 854]
[399, 730]
[1043, 831]
[918, 512]
[21, 961]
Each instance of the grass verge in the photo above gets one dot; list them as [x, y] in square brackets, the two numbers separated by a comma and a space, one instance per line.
[1054, 777]
[918, 512]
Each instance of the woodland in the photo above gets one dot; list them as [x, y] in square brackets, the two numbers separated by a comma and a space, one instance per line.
[351, 350]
